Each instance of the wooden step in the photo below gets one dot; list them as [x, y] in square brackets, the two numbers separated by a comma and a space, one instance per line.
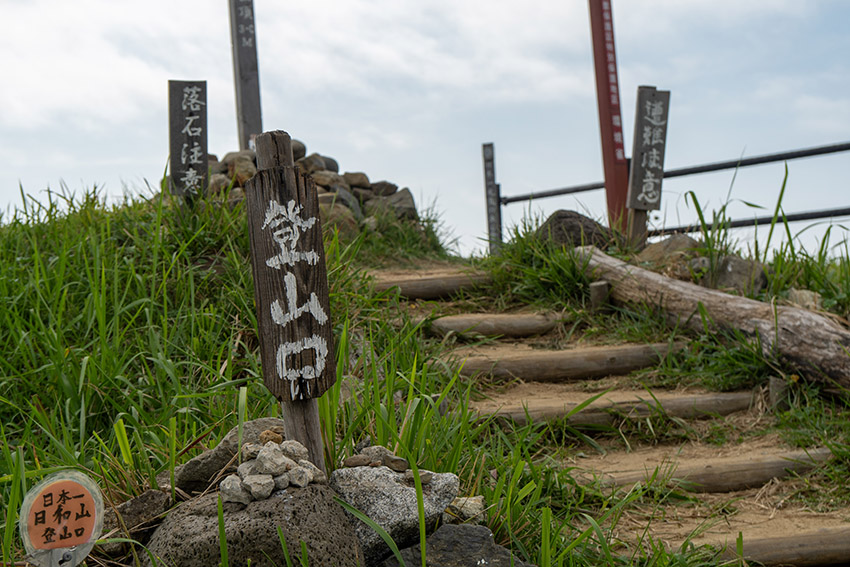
[604, 412]
[828, 546]
[573, 364]
[724, 475]
[511, 325]
[433, 286]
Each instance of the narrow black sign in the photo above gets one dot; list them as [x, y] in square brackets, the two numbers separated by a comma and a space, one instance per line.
[246, 74]
[648, 158]
[492, 192]
[187, 119]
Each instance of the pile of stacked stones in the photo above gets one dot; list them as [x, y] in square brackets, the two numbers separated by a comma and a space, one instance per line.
[347, 200]
[273, 464]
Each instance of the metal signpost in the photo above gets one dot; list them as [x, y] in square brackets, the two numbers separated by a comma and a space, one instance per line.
[610, 115]
[61, 518]
[290, 289]
[647, 169]
[243, 39]
[187, 136]
[494, 205]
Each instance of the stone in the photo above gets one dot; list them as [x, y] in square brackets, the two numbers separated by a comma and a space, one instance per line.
[138, 515]
[217, 166]
[231, 157]
[344, 196]
[299, 149]
[371, 224]
[218, 184]
[339, 217]
[746, 277]
[571, 229]
[386, 498]
[260, 486]
[425, 477]
[375, 452]
[247, 468]
[251, 450]
[300, 477]
[327, 178]
[662, 253]
[281, 481]
[294, 450]
[465, 545]
[273, 460]
[362, 444]
[399, 204]
[197, 474]
[397, 464]
[357, 179]
[235, 197]
[331, 164]
[383, 188]
[465, 509]
[188, 537]
[232, 490]
[363, 195]
[241, 170]
[311, 163]
[315, 472]
[356, 461]
[805, 298]
[270, 436]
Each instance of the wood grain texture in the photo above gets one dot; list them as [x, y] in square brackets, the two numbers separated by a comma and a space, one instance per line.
[823, 547]
[579, 363]
[436, 287]
[608, 413]
[802, 338]
[727, 475]
[492, 325]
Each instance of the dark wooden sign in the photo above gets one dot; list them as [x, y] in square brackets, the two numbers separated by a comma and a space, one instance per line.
[187, 121]
[648, 158]
[610, 114]
[290, 284]
[243, 39]
[494, 206]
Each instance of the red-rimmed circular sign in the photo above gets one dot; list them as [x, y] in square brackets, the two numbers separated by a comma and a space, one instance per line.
[63, 511]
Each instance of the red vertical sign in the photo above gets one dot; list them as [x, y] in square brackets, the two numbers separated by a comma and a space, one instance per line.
[610, 117]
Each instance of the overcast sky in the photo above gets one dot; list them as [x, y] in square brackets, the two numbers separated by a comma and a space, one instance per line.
[408, 90]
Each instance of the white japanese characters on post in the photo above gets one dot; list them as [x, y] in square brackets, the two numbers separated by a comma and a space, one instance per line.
[494, 206]
[290, 284]
[243, 40]
[187, 113]
[647, 169]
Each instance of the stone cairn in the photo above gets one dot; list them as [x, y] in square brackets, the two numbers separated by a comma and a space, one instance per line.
[348, 201]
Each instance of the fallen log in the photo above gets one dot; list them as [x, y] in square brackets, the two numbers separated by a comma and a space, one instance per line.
[802, 338]
[726, 475]
[829, 546]
[492, 325]
[554, 365]
[608, 413]
[434, 287]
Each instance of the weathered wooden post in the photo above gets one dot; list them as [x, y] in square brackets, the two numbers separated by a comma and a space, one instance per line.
[647, 170]
[610, 115]
[246, 73]
[187, 137]
[493, 194]
[290, 289]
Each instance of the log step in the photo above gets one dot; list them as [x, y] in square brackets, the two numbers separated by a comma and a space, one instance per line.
[604, 412]
[431, 286]
[573, 364]
[725, 475]
[828, 546]
[495, 325]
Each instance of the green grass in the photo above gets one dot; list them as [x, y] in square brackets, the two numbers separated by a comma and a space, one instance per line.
[129, 345]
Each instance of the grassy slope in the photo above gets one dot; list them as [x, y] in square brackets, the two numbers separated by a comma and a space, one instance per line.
[127, 333]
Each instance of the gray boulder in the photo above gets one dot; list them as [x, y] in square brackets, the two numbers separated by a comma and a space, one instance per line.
[312, 163]
[384, 188]
[571, 229]
[326, 178]
[197, 474]
[742, 276]
[299, 150]
[188, 537]
[464, 545]
[400, 204]
[357, 179]
[139, 515]
[331, 164]
[390, 501]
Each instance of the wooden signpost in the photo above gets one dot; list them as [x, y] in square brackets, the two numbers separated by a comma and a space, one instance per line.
[610, 115]
[647, 169]
[246, 73]
[290, 289]
[494, 206]
[60, 519]
[187, 120]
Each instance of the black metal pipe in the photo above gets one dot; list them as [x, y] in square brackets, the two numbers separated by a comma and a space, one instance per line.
[705, 168]
[741, 223]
